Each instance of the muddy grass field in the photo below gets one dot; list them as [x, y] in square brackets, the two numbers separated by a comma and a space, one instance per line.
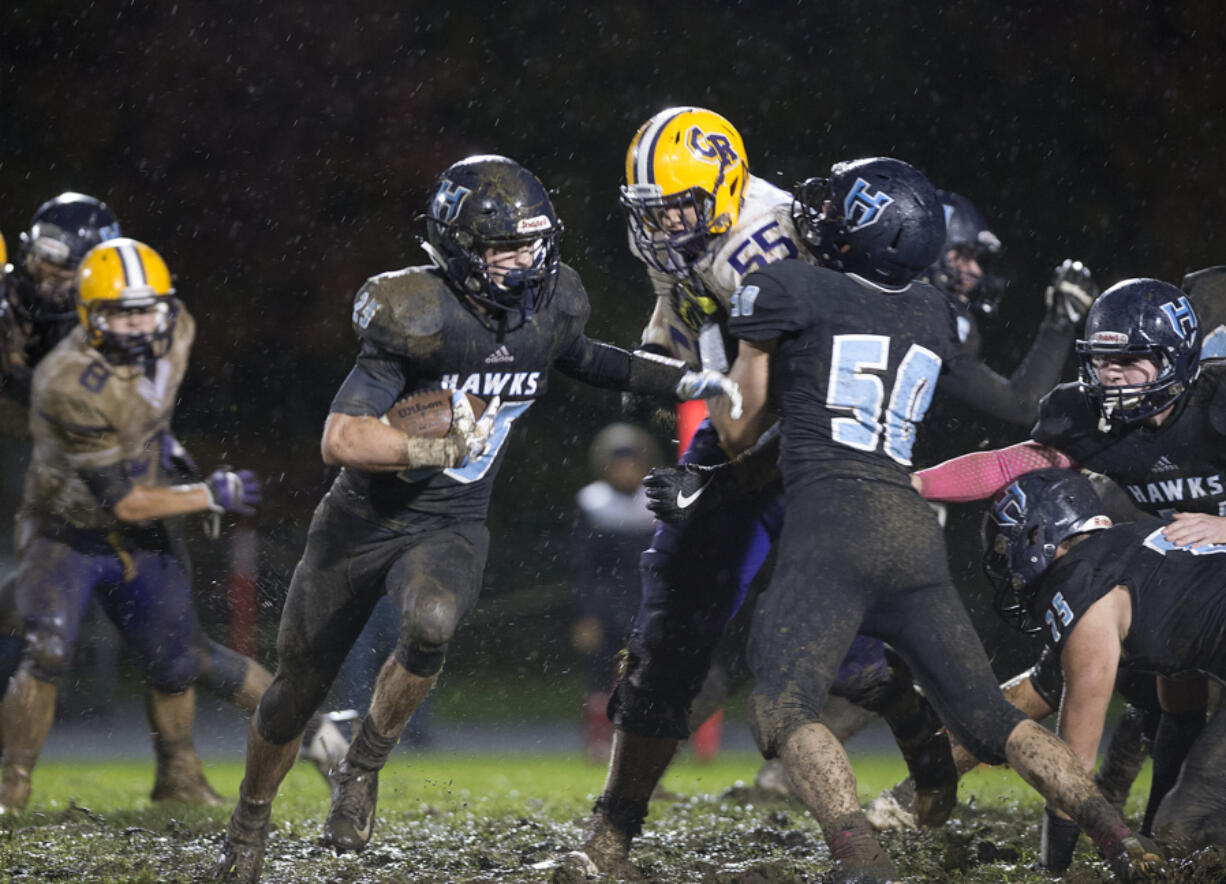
[479, 819]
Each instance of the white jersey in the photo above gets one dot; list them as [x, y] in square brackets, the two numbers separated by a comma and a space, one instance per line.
[763, 233]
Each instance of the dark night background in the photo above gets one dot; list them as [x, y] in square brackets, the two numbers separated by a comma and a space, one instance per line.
[277, 153]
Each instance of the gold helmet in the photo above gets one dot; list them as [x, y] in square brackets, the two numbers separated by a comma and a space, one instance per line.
[4, 253]
[123, 276]
[686, 174]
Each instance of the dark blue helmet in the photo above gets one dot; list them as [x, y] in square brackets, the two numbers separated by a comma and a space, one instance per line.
[878, 219]
[66, 227]
[1021, 530]
[492, 202]
[1140, 318]
[966, 235]
[62, 231]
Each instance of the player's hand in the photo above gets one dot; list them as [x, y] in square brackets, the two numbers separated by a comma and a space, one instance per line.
[708, 384]
[233, 491]
[1071, 292]
[175, 461]
[484, 429]
[1196, 529]
[678, 493]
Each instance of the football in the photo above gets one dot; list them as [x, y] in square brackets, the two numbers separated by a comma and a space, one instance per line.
[427, 413]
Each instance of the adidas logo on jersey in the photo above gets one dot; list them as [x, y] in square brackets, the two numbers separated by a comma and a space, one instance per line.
[1163, 465]
[502, 354]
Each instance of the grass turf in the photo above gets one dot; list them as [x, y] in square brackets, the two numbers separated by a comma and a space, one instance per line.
[445, 817]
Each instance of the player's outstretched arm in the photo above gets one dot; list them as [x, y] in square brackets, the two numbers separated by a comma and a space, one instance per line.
[751, 373]
[233, 491]
[981, 474]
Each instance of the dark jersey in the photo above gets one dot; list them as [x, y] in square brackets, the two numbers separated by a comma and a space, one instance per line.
[854, 368]
[956, 421]
[1178, 466]
[416, 334]
[1178, 597]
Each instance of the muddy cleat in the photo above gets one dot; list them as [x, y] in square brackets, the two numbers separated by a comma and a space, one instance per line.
[181, 778]
[894, 809]
[934, 776]
[772, 779]
[351, 819]
[325, 745]
[605, 855]
[242, 847]
[1139, 861]
[14, 788]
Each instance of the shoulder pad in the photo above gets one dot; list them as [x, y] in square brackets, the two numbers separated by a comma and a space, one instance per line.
[570, 297]
[395, 310]
[185, 325]
[1063, 410]
[64, 388]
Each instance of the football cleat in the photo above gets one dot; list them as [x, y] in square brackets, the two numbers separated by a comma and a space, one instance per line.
[894, 809]
[325, 745]
[772, 780]
[181, 778]
[14, 788]
[351, 818]
[243, 845]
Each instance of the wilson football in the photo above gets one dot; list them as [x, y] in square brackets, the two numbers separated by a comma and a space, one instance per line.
[427, 413]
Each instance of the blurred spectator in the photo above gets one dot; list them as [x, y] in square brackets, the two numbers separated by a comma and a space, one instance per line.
[612, 528]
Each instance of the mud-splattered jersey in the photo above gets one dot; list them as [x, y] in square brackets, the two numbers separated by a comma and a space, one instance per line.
[87, 414]
[1178, 597]
[854, 368]
[1178, 466]
[418, 335]
[763, 233]
[26, 336]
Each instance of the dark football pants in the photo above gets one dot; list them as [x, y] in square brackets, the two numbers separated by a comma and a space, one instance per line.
[879, 553]
[1193, 813]
[151, 605]
[432, 573]
[694, 578]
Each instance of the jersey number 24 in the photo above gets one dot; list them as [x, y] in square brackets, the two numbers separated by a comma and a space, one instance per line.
[857, 385]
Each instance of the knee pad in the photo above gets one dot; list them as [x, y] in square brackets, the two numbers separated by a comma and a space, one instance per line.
[173, 675]
[426, 629]
[639, 710]
[49, 654]
[286, 707]
[221, 670]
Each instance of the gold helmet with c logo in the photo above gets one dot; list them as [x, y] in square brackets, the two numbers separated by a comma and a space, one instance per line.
[126, 276]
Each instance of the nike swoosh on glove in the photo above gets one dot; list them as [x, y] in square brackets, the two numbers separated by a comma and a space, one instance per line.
[678, 493]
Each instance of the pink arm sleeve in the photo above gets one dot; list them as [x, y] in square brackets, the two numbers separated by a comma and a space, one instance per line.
[982, 473]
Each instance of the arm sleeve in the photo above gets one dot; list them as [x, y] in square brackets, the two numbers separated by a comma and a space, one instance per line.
[1014, 399]
[373, 385]
[603, 365]
[981, 474]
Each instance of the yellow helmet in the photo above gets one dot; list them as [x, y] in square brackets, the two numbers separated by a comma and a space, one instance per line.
[686, 174]
[4, 252]
[123, 276]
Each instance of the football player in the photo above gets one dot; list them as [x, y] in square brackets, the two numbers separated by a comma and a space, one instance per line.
[700, 222]
[101, 404]
[491, 314]
[1109, 597]
[37, 310]
[853, 350]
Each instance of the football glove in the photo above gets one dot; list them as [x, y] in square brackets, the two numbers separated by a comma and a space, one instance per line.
[1071, 292]
[469, 437]
[708, 384]
[693, 304]
[678, 493]
[175, 462]
[233, 491]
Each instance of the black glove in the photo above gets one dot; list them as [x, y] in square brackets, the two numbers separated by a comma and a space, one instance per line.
[1057, 843]
[678, 493]
[1071, 292]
